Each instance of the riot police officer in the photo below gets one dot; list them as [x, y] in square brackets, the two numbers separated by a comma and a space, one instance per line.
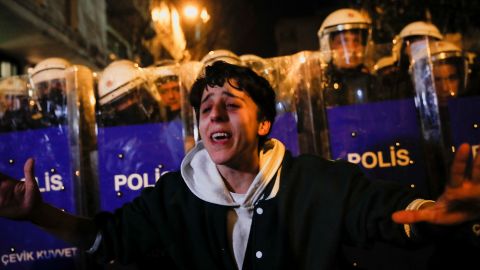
[398, 84]
[48, 80]
[450, 80]
[13, 104]
[167, 83]
[450, 71]
[125, 96]
[344, 36]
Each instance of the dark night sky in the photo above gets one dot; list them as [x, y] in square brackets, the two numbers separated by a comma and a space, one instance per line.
[248, 26]
[257, 35]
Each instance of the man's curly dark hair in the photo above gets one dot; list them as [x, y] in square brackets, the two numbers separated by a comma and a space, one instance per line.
[244, 79]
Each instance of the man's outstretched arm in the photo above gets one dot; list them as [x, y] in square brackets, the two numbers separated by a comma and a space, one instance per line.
[22, 201]
[459, 203]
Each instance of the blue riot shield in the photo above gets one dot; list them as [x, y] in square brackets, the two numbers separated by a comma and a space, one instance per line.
[134, 154]
[59, 171]
[384, 137]
[285, 126]
[465, 122]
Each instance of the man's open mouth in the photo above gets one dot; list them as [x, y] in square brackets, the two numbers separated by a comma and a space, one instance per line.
[220, 136]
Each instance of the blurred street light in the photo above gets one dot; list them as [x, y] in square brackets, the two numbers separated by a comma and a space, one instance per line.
[204, 15]
[194, 21]
[169, 33]
[160, 14]
[180, 32]
[190, 12]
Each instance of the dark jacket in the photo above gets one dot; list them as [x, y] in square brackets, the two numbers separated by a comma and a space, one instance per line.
[320, 205]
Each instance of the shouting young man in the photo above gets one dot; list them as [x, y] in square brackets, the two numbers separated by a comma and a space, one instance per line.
[242, 201]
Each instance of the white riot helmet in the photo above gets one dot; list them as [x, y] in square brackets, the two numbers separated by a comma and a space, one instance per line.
[164, 72]
[252, 61]
[344, 36]
[165, 62]
[441, 50]
[420, 28]
[412, 32]
[47, 74]
[450, 70]
[260, 65]
[49, 84]
[13, 93]
[117, 79]
[167, 83]
[125, 96]
[48, 69]
[221, 55]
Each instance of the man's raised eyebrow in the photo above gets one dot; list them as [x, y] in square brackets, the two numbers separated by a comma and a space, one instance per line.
[225, 93]
[229, 94]
[206, 97]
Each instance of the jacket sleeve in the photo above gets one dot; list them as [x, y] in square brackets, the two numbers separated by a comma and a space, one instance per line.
[369, 206]
[136, 228]
[336, 197]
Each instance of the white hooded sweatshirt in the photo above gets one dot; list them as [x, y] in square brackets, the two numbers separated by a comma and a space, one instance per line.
[203, 179]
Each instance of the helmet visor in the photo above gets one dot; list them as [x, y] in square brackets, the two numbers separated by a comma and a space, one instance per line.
[348, 47]
[449, 78]
[169, 90]
[51, 95]
[53, 90]
[134, 106]
[14, 102]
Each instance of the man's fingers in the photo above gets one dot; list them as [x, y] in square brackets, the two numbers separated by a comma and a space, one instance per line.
[434, 216]
[409, 216]
[459, 165]
[28, 170]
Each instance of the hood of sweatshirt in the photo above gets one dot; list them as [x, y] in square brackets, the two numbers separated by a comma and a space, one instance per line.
[204, 180]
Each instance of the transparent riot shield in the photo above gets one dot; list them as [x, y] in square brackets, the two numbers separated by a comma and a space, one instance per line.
[453, 80]
[427, 104]
[297, 82]
[448, 109]
[384, 137]
[134, 152]
[449, 116]
[188, 73]
[81, 103]
[284, 127]
[62, 173]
